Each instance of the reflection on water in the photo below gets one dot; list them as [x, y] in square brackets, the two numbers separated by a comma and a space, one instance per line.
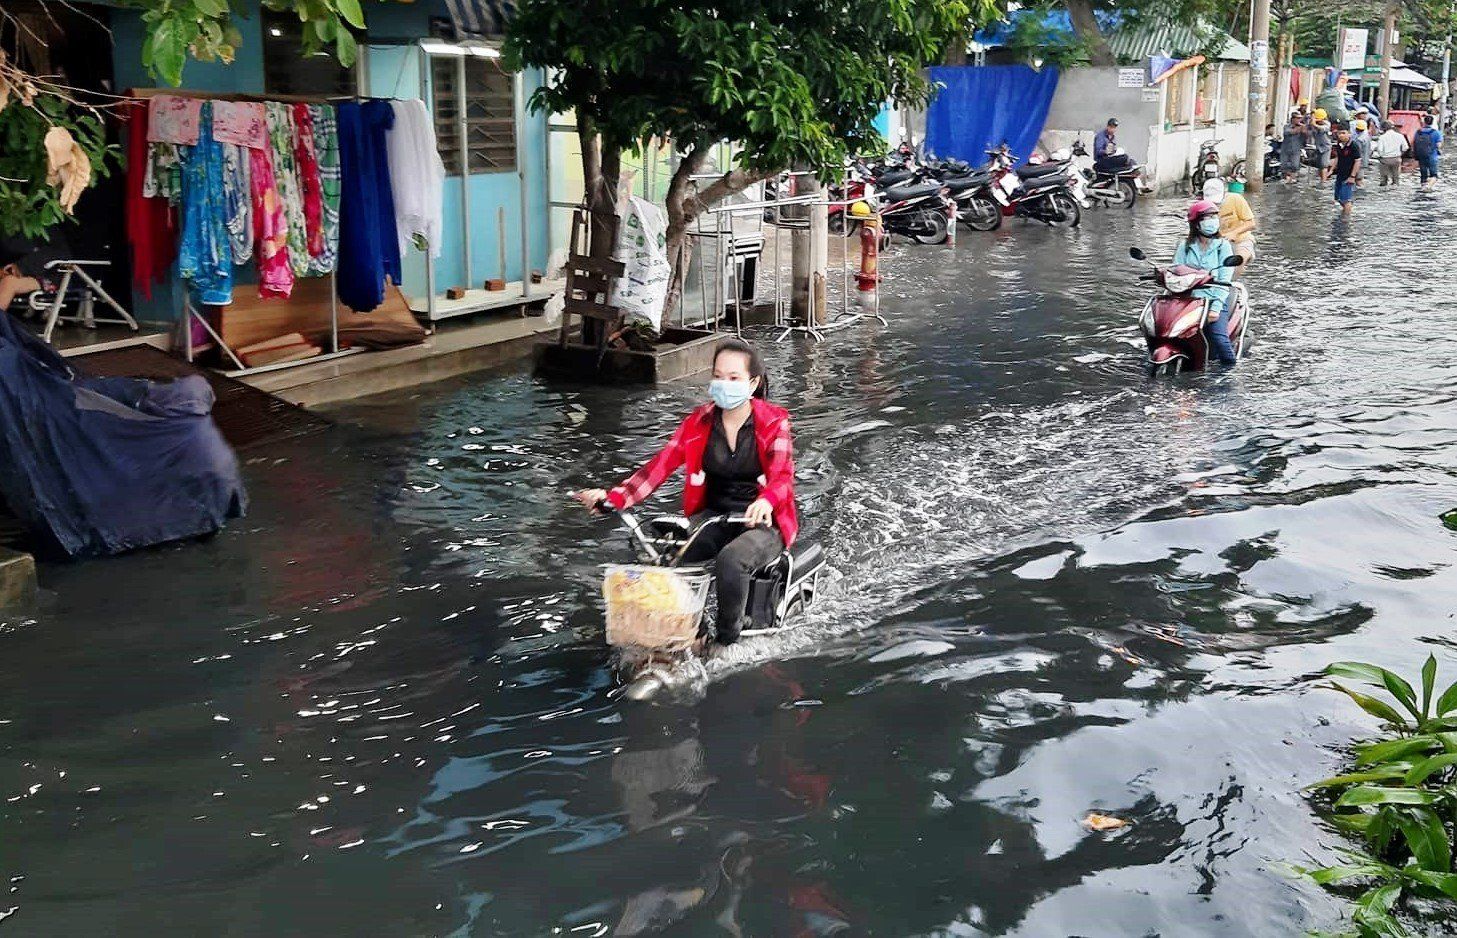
[380, 705]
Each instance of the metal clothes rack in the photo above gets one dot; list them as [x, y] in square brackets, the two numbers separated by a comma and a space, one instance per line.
[191, 314]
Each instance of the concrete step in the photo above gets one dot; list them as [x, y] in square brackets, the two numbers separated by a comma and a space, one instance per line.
[17, 578]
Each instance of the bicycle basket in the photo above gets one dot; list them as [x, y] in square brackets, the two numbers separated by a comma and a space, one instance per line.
[653, 607]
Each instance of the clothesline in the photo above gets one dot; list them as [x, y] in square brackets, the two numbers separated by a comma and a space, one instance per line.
[145, 93]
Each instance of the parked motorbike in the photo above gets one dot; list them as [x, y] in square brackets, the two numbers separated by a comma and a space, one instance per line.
[1172, 322]
[919, 210]
[1206, 166]
[1047, 192]
[1272, 160]
[1114, 189]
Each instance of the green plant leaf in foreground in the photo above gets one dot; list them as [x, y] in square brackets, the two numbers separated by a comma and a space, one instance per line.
[1393, 750]
[1429, 681]
[1449, 518]
[1427, 766]
[1377, 708]
[1383, 773]
[1427, 839]
[1374, 794]
[1373, 912]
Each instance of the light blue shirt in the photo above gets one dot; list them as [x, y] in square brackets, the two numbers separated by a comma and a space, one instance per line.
[1210, 258]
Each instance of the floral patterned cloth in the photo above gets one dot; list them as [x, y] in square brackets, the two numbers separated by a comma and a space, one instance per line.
[270, 227]
[308, 175]
[290, 190]
[326, 149]
[240, 122]
[238, 197]
[172, 119]
[163, 178]
[205, 255]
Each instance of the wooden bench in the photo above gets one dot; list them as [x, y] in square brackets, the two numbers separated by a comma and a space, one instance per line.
[251, 319]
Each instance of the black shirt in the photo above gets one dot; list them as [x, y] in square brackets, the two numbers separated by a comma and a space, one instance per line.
[1346, 155]
[732, 476]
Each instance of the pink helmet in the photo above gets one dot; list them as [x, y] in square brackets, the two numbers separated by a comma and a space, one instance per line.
[1201, 208]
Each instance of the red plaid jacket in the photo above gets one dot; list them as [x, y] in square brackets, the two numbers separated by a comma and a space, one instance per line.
[686, 448]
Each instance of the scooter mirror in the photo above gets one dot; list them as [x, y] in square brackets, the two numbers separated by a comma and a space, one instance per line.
[1234, 260]
[1138, 255]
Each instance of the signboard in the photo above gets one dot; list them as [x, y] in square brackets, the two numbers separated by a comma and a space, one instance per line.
[1130, 78]
[1150, 94]
[1351, 49]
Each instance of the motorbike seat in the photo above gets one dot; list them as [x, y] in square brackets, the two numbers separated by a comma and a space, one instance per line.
[962, 183]
[913, 190]
[894, 177]
[1045, 182]
[1041, 169]
[808, 556]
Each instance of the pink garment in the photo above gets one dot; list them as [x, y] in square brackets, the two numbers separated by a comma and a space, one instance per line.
[239, 122]
[308, 174]
[270, 226]
[171, 119]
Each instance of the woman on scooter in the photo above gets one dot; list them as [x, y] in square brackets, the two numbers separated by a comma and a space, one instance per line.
[739, 459]
[1205, 249]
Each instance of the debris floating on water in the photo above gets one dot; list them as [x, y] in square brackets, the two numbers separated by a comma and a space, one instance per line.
[1104, 822]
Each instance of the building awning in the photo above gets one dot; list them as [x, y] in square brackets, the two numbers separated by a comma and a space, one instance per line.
[1401, 75]
[1179, 41]
[480, 18]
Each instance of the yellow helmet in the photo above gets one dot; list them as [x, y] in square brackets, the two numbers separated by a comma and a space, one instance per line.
[1320, 113]
[1360, 125]
[859, 209]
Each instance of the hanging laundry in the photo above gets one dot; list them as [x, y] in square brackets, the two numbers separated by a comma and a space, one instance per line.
[151, 231]
[238, 198]
[163, 178]
[368, 243]
[417, 176]
[270, 227]
[172, 119]
[240, 122]
[290, 190]
[308, 175]
[205, 256]
[326, 149]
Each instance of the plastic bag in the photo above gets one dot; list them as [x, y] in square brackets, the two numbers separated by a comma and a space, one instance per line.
[642, 248]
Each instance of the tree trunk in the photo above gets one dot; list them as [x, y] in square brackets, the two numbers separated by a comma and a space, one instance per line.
[956, 50]
[1086, 26]
[1383, 94]
[601, 167]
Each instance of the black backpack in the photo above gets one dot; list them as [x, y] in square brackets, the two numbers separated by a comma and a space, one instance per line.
[1421, 145]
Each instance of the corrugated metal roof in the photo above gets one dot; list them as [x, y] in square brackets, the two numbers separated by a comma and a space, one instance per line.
[1171, 39]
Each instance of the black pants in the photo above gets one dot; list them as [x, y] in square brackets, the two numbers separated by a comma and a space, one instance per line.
[737, 551]
[1113, 165]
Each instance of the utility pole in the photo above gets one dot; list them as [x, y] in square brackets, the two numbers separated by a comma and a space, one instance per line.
[1388, 30]
[1255, 117]
[1446, 106]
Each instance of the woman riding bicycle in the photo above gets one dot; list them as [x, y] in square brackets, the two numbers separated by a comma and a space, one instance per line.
[738, 455]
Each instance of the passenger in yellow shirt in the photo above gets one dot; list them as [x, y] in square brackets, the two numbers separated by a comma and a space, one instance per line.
[1236, 220]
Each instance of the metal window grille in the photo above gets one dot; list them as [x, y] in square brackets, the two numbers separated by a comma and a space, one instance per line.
[488, 98]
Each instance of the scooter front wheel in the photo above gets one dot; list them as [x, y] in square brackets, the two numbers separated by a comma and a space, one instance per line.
[1129, 193]
[1063, 211]
[982, 214]
[933, 229]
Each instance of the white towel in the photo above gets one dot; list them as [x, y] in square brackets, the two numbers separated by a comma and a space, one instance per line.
[417, 176]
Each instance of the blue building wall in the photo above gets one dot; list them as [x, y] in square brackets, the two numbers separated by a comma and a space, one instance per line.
[391, 64]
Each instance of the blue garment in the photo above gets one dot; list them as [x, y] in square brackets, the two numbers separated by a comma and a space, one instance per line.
[1427, 142]
[1345, 191]
[1101, 144]
[984, 106]
[104, 465]
[1428, 168]
[368, 245]
[204, 249]
[1219, 294]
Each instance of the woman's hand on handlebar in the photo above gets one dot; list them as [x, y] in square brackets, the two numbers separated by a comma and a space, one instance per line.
[591, 498]
[759, 514]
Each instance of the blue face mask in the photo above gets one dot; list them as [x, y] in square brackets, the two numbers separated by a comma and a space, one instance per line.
[730, 394]
[1209, 227]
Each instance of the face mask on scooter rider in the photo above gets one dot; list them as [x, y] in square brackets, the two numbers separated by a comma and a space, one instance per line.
[730, 394]
[1209, 227]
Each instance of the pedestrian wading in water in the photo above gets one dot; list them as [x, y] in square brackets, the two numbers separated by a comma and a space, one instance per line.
[738, 455]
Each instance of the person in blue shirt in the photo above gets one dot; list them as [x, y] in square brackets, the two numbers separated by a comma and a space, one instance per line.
[1205, 249]
[1426, 146]
[1106, 158]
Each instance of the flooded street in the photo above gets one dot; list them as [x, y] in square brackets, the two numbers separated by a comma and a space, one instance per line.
[379, 704]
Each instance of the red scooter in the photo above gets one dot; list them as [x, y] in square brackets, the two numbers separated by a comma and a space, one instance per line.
[1173, 320]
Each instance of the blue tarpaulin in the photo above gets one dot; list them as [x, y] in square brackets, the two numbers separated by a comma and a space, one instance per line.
[983, 106]
[104, 465]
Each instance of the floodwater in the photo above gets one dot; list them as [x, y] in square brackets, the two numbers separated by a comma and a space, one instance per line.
[379, 704]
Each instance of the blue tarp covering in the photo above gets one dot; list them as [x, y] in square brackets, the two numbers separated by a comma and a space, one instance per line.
[105, 465]
[981, 107]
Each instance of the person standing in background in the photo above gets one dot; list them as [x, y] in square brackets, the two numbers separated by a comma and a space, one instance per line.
[1426, 147]
[1346, 159]
[1320, 136]
[1362, 139]
[1387, 150]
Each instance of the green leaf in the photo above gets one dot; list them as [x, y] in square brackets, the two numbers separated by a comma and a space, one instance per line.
[1427, 839]
[1445, 883]
[1427, 766]
[1449, 518]
[1448, 701]
[1402, 691]
[1358, 671]
[1386, 772]
[349, 9]
[1330, 875]
[1373, 912]
[211, 7]
[1375, 794]
[346, 48]
[1429, 680]
[169, 51]
[1377, 708]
